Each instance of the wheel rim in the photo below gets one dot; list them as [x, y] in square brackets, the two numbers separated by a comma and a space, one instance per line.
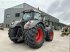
[51, 35]
[39, 35]
[19, 34]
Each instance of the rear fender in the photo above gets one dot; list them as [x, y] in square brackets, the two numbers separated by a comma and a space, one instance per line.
[48, 30]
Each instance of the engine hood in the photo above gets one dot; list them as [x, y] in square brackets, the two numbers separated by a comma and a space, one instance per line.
[31, 24]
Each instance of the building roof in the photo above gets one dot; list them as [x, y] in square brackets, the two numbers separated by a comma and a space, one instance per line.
[25, 5]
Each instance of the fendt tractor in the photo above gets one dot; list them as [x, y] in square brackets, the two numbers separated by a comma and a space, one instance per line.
[31, 29]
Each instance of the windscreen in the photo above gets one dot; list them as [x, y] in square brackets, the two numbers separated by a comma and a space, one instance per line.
[27, 16]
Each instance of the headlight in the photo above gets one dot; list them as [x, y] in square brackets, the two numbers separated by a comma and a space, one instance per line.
[12, 23]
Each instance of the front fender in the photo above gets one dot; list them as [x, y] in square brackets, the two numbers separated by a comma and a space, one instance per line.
[31, 24]
[16, 23]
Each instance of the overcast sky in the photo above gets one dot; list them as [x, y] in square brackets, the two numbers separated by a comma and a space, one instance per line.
[57, 8]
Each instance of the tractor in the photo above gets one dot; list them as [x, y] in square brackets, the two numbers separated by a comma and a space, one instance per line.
[65, 31]
[31, 29]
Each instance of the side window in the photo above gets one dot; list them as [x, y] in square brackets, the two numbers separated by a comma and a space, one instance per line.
[37, 16]
[44, 19]
[17, 15]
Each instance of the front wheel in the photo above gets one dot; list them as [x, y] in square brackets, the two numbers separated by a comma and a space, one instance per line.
[13, 35]
[35, 37]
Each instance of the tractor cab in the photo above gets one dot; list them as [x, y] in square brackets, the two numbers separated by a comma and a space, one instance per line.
[31, 15]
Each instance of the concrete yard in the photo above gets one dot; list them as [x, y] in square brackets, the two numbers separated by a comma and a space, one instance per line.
[59, 44]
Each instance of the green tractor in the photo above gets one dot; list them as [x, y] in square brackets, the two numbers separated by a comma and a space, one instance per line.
[31, 29]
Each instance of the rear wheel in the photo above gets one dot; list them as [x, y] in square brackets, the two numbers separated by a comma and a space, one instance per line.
[35, 37]
[49, 35]
[15, 35]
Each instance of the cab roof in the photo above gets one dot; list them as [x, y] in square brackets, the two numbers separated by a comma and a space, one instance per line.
[31, 11]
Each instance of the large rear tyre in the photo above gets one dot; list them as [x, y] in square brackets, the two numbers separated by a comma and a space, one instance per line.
[49, 35]
[34, 37]
[13, 35]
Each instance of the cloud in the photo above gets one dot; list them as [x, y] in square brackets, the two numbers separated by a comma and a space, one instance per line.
[57, 8]
[4, 4]
[61, 10]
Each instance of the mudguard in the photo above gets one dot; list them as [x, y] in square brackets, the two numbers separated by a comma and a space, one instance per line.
[31, 24]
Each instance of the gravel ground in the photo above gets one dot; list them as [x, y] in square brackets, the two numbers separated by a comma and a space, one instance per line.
[59, 44]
